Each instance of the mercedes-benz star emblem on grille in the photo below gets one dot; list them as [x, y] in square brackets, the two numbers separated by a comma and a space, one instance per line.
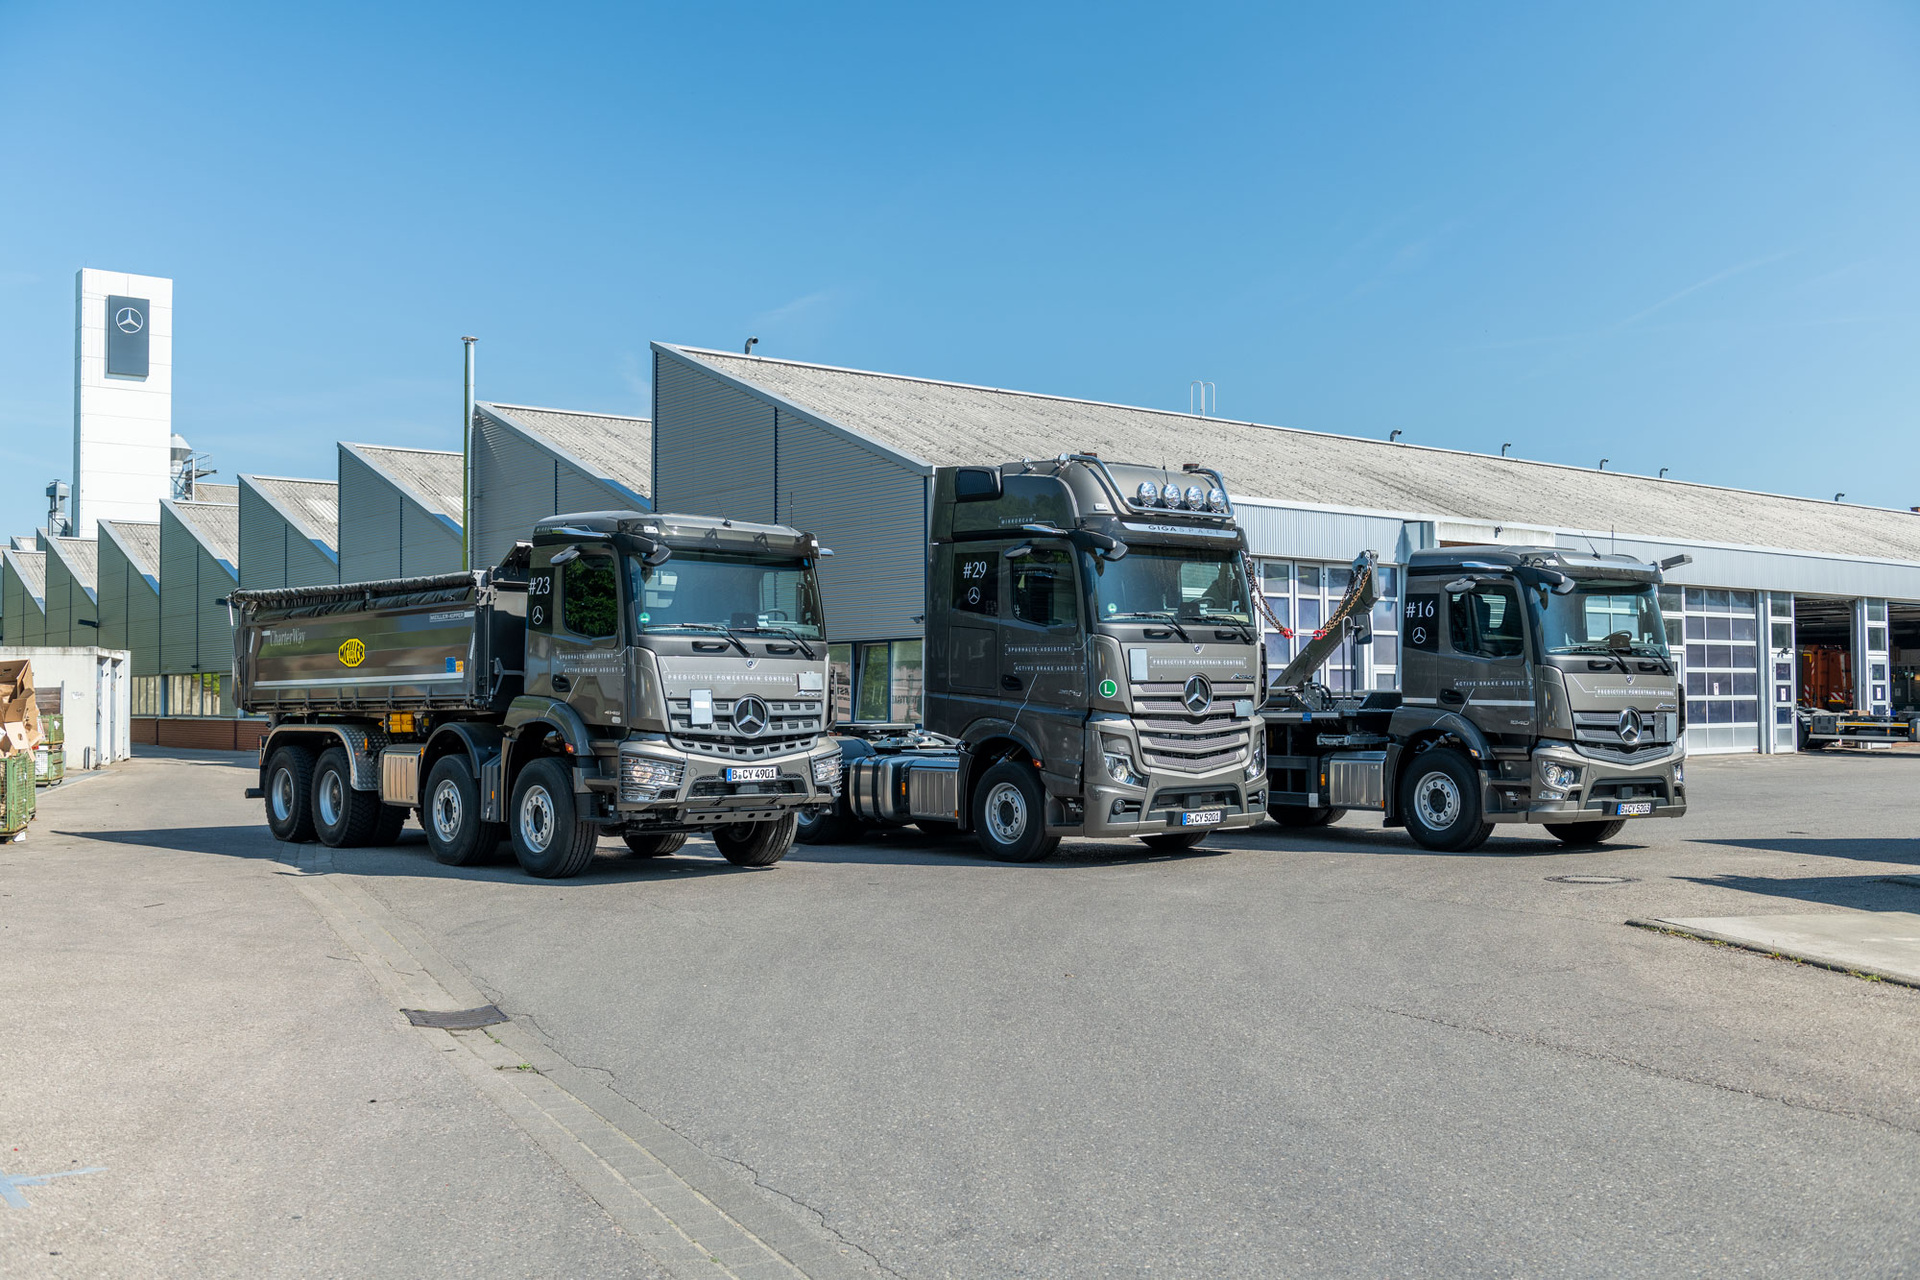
[750, 717]
[1630, 727]
[1198, 695]
[128, 318]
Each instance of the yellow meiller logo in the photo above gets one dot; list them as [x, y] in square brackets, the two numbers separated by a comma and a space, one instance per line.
[353, 653]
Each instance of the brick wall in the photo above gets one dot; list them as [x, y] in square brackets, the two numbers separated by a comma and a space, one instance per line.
[198, 734]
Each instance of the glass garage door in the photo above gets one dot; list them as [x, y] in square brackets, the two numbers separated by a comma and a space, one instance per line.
[1302, 593]
[1720, 664]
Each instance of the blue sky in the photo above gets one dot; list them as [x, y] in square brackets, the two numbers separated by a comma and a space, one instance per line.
[1671, 235]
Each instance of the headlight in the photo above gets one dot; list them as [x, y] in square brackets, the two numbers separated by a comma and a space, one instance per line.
[1196, 498]
[1217, 500]
[1119, 762]
[1146, 493]
[1170, 496]
[826, 772]
[1257, 759]
[1679, 773]
[1559, 775]
[642, 779]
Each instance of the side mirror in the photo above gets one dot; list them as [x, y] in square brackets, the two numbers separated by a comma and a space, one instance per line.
[1103, 545]
[978, 484]
[566, 557]
[1018, 551]
[1361, 635]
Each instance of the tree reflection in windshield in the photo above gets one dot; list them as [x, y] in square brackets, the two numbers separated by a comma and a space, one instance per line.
[1600, 616]
[709, 589]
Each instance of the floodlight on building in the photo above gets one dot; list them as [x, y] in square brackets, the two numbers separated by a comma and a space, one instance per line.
[1663, 472]
[1839, 497]
[751, 344]
[1604, 462]
[1395, 434]
[1503, 448]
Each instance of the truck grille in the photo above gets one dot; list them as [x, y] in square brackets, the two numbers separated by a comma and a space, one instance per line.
[791, 727]
[1170, 738]
[1597, 734]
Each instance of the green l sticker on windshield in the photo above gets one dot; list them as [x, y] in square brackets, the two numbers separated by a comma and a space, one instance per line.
[1109, 689]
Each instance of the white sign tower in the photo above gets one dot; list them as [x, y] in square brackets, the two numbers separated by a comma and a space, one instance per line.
[122, 397]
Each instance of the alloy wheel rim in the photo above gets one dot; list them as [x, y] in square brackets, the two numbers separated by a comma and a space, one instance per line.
[1006, 813]
[447, 814]
[332, 802]
[1437, 797]
[536, 819]
[283, 795]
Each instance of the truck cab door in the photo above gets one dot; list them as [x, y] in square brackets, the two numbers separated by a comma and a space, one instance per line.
[573, 632]
[1043, 652]
[1481, 666]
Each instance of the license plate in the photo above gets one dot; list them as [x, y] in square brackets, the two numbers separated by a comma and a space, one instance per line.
[1203, 818]
[754, 773]
[1633, 809]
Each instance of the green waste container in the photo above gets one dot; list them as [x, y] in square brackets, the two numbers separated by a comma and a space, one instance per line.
[50, 761]
[16, 793]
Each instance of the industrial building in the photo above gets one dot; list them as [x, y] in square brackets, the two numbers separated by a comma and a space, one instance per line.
[72, 618]
[128, 584]
[399, 512]
[529, 463]
[1782, 594]
[199, 566]
[289, 532]
[23, 596]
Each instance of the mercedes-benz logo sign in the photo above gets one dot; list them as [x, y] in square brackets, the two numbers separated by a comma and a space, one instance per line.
[128, 319]
[1630, 726]
[1198, 695]
[750, 717]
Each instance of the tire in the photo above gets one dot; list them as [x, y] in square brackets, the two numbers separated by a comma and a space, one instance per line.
[342, 817]
[653, 844]
[1009, 814]
[1299, 815]
[1440, 799]
[450, 813]
[1174, 841]
[756, 844]
[1585, 832]
[824, 824]
[289, 794]
[549, 839]
[388, 826]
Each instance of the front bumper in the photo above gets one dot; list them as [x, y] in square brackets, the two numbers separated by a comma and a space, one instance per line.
[1152, 804]
[1602, 786]
[702, 795]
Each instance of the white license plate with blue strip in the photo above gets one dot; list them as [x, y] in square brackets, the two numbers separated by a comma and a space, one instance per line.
[753, 773]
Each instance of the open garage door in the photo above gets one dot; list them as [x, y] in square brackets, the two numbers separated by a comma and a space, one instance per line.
[1903, 618]
[1823, 631]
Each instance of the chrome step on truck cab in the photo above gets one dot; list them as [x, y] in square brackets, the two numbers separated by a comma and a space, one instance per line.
[621, 673]
[1536, 687]
[1093, 667]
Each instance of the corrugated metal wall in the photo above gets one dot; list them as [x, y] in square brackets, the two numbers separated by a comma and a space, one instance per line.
[25, 623]
[67, 601]
[195, 633]
[872, 512]
[713, 450]
[129, 608]
[517, 481]
[369, 523]
[273, 553]
[386, 534]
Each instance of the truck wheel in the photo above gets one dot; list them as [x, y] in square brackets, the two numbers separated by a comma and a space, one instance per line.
[387, 827]
[1299, 815]
[1440, 796]
[342, 817]
[1009, 814]
[1173, 841]
[1585, 832]
[549, 839]
[450, 812]
[755, 844]
[289, 793]
[824, 824]
[653, 844]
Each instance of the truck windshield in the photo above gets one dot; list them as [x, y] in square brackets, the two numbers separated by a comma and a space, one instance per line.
[1157, 582]
[1600, 617]
[702, 590]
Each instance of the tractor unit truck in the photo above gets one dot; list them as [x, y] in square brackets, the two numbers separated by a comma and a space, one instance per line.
[1092, 665]
[626, 674]
[1536, 686]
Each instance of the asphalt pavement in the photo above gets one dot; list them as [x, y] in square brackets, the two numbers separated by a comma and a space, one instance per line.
[1286, 1053]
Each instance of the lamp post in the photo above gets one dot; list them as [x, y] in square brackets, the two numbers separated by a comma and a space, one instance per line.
[466, 463]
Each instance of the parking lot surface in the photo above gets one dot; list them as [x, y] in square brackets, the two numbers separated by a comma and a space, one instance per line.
[1286, 1053]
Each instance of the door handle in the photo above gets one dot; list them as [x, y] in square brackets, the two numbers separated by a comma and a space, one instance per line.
[562, 684]
[1452, 697]
[1011, 683]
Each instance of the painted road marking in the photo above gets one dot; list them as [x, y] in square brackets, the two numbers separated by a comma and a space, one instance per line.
[10, 1184]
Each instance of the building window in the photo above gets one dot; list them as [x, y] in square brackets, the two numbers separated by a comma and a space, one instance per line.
[204, 694]
[881, 682]
[840, 676]
[1720, 659]
[144, 696]
[1302, 595]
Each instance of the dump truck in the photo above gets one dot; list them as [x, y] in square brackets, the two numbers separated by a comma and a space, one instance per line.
[1092, 665]
[619, 674]
[1535, 687]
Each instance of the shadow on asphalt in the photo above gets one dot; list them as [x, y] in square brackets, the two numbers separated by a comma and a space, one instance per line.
[1858, 848]
[1864, 893]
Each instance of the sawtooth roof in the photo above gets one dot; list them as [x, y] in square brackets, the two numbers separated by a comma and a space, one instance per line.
[81, 556]
[140, 539]
[313, 506]
[939, 423]
[432, 475]
[217, 525]
[616, 448]
[32, 568]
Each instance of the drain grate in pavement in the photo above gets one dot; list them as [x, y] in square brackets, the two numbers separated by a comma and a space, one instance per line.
[486, 1015]
[1592, 879]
